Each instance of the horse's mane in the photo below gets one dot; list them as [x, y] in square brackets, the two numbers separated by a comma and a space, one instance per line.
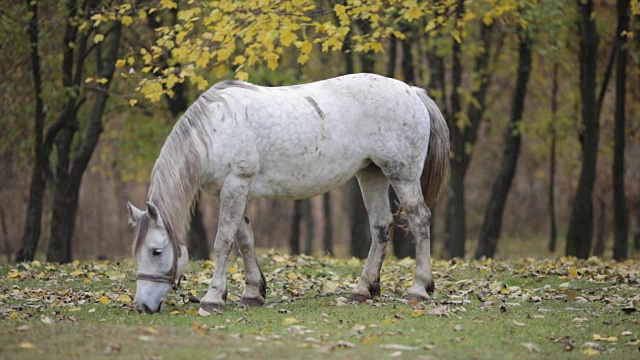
[177, 175]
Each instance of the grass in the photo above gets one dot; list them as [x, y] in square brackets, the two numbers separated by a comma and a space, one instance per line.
[481, 310]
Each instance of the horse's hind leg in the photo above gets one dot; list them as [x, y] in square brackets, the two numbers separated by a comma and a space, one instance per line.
[375, 192]
[255, 290]
[419, 216]
[233, 200]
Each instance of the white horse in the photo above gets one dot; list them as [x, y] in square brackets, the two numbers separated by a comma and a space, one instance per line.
[240, 141]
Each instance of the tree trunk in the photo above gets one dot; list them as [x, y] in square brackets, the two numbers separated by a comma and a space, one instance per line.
[198, 244]
[598, 248]
[309, 222]
[402, 241]
[457, 215]
[33, 219]
[553, 236]
[69, 173]
[359, 221]
[294, 237]
[636, 235]
[580, 233]
[620, 211]
[408, 72]
[393, 49]
[492, 226]
[328, 225]
[463, 136]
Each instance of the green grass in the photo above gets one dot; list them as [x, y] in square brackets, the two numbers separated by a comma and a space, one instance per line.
[563, 307]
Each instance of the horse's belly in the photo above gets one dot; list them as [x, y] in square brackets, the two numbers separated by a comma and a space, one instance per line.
[299, 179]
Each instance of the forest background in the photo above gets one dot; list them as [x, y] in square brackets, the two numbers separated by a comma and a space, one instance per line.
[541, 98]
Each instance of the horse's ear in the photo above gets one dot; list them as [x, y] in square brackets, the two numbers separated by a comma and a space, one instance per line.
[134, 214]
[152, 210]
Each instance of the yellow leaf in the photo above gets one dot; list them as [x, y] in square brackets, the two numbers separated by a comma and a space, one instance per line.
[27, 345]
[239, 60]
[168, 4]
[175, 312]
[413, 13]
[88, 80]
[290, 321]
[13, 274]
[591, 351]
[192, 312]
[127, 20]
[370, 339]
[417, 313]
[133, 102]
[124, 298]
[597, 337]
[292, 276]
[389, 321]
[242, 75]
[287, 37]
[104, 300]
[98, 38]
[14, 315]
[120, 63]
[131, 60]
[573, 272]
[102, 80]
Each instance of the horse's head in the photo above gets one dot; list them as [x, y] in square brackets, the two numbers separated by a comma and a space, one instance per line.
[161, 259]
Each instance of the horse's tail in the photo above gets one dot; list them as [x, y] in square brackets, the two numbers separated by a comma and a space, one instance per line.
[436, 166]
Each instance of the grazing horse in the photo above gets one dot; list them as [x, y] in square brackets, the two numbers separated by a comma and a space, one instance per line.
[240, 141]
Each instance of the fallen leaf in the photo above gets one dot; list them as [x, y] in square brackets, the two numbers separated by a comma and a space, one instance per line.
[517, 323]
[203, 312]
[531, 347]
[345, 344]
[398, 347]
[290, 321]
[597, 337]
[458, 327]
[112, 349]
[591, 351]
[27, 345]
[440, 310]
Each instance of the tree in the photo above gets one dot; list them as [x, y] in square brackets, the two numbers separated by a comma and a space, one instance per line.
[621, 214]
[71, 164]
[492, 225]
[464, 131]
[33, 220]
[553, 227]
[580, 233]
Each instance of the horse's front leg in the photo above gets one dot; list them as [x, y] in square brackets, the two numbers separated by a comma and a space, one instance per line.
[255, 290]
[233, 200]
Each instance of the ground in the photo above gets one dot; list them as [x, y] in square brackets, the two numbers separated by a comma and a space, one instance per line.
[481, 310]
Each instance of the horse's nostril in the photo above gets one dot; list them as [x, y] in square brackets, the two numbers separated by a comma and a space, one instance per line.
[147, 309]
[159, 306]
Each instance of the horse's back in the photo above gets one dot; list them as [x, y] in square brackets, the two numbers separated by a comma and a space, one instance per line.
[311, 138]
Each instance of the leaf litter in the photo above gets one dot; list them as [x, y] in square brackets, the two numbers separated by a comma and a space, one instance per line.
[593, 287]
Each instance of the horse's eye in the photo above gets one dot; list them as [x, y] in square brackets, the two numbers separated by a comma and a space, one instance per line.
[156, 252]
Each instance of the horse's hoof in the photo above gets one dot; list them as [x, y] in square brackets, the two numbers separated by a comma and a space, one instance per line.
[359, 298]
[417, 297]
[252, 301]
[211, 307]
[430, 287]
